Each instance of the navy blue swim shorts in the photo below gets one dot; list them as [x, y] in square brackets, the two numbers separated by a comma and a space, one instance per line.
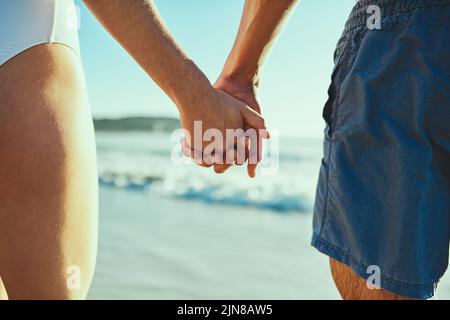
[383, 196]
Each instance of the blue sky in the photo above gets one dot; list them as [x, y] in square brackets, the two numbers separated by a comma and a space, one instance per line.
[294, 82]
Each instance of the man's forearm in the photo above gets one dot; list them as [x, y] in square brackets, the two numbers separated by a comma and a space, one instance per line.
[262, 21]
[135, 24]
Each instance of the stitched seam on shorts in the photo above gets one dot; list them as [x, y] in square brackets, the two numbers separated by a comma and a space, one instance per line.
[385, 278]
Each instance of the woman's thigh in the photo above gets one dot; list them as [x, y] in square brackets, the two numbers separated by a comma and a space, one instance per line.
[48, 176]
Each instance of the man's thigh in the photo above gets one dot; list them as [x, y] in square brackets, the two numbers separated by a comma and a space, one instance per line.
[352, 287]
[383, 194]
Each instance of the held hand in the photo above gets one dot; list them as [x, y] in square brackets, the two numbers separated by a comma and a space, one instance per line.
[247, 94]
[220, 111]
[243, 92]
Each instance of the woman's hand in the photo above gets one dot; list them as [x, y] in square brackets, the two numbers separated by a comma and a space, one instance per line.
[245, 92]
[221, 111]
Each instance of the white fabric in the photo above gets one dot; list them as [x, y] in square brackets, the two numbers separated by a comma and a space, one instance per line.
[27, 23]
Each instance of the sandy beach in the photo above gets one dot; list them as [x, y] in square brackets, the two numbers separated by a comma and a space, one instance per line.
[156, 248]
[181, 232]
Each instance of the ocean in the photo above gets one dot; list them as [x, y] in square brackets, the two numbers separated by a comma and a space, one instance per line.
[179, 231]
[143, 161]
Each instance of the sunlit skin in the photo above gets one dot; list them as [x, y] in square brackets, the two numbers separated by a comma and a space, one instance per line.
[261, 24]
[352, 287]
[137, 26]
[48, 175]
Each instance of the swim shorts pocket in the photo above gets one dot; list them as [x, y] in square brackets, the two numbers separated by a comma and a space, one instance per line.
[341, 57]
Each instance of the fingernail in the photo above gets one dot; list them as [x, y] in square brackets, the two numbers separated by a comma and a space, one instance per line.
[252, 172]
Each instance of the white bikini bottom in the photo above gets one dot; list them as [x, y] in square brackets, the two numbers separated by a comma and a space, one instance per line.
[27, 23]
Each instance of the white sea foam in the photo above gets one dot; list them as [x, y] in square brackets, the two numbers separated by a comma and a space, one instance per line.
[141, 162]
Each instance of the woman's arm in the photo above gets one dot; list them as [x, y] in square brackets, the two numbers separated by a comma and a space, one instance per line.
[135, 24]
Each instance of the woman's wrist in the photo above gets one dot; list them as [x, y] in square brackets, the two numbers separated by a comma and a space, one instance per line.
[192, 87]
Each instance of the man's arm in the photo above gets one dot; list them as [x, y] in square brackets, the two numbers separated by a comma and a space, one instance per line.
[261, 23]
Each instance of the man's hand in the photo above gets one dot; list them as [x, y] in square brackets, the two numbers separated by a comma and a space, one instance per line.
[260, 26]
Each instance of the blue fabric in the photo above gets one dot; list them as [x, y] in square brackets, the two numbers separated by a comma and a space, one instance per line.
[383, 196]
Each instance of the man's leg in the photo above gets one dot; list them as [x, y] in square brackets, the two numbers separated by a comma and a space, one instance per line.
[383, 192]
[352, 287]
